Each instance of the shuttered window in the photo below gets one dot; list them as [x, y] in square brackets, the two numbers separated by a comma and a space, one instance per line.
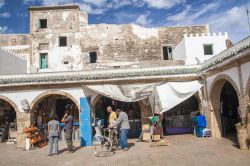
[44, 61]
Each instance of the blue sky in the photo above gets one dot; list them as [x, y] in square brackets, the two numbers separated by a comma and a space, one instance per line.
[221, 15]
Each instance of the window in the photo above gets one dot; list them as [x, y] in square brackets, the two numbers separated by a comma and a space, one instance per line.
[62, 41]
[92, 57]
[43, 23]
[43, 60]
[167, 52]
[208, 49]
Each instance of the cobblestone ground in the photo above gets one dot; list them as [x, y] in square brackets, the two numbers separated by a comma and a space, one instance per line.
[183, 150]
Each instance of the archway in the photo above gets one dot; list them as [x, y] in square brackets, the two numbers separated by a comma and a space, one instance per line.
[48, 104]
[178, 120]
[229, 110]
[224, 101]
[99, 111]
[8, 119]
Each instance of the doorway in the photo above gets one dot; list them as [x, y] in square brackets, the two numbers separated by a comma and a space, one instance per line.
[229, 110]
[132, 109]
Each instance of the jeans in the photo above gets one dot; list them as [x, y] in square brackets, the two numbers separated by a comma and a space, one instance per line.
[123, 138]
[198, 130]
[68, 138]
[53, 141]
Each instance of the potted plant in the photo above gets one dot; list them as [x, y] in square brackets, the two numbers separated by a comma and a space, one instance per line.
[242, 135]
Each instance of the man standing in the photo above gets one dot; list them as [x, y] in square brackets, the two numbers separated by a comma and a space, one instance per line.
[201, 124]
[123, 123]
[112, 115]
[68, 129]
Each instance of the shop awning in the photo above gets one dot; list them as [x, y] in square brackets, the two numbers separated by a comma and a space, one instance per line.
[162, 96]
[125, 93]
[170, 94]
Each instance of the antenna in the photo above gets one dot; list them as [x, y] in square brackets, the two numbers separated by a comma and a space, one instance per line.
[247, 15]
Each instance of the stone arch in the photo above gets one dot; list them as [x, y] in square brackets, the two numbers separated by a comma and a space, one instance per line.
[19, 116]
[53, 92]
[214, 95]
[13, 104]
[95, 100]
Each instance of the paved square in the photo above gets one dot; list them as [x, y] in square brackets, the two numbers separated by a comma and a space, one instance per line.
[183, 150]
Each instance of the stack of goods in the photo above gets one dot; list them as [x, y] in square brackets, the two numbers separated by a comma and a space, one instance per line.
[163, 142]
[3, 132]
[12, 133]
[36, 138]
[146, 132]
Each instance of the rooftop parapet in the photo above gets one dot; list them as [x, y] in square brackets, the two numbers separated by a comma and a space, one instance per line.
[61, 7]
[206, 35]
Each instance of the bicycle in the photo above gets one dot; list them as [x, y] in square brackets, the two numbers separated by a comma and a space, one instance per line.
[109, 142]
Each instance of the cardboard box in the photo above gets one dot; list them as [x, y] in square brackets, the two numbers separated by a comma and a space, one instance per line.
[145, 127]
[156, 137]
[146, 136]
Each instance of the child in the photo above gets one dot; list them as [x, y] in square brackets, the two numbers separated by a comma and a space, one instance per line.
[54, 133]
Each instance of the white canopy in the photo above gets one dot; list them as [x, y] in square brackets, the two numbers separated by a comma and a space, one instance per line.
[162, 97]
[173, 93]
[125, 93]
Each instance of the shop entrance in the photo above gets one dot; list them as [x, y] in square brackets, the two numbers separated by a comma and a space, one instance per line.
[178, 120]
[50, 105]
[132, 110]
[229, 110]
[8, 122]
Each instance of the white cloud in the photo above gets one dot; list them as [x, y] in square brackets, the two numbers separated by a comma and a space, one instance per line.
[189, 15]
[88, 8]
[5, 15]
[160, 4]
[179, 16]
[119, 3]
[3, 29]
[232, 20]
[143, 20]
[100, 3]
[124, 17]
[2, 3]
[56, 2]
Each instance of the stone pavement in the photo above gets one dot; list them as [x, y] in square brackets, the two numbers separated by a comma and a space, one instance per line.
[184, 150]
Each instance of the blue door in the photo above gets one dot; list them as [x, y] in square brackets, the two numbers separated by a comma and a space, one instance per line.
[85, 122]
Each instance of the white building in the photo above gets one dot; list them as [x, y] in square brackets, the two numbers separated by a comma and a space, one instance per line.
[196, 49]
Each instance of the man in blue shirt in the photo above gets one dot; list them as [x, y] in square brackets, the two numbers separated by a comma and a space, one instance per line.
[200, 124]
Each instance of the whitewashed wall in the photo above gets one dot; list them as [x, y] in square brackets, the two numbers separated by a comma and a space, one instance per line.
[245, 69]
[232, 73]
[30, 95]
[193, 46]
[179, 52]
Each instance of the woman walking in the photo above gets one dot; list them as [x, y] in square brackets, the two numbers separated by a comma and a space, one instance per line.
[54, 133]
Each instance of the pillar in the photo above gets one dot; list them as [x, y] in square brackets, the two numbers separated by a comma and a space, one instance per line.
[85, 122]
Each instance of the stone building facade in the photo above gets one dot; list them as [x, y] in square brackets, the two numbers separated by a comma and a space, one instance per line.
[91, 46]
[65, 54]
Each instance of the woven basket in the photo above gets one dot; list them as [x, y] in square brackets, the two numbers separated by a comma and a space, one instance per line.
[26, 130]
[33, 140]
